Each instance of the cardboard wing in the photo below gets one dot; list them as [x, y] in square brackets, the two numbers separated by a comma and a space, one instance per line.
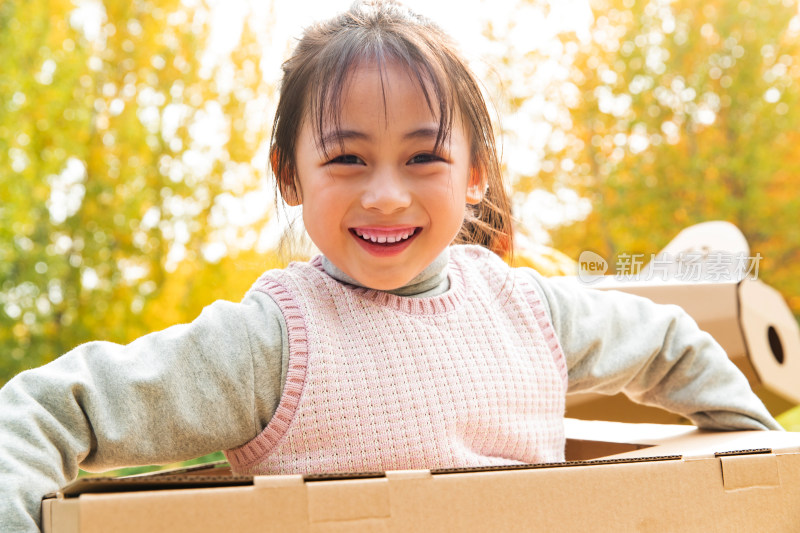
[707, 270]
[748, 318]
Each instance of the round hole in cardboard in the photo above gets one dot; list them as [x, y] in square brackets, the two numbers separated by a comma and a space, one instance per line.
[775, 344]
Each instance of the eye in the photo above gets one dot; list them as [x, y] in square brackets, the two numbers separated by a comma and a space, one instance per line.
[425, 158]
[346, 159]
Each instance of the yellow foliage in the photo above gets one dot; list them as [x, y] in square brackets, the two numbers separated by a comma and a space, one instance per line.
[544, 259]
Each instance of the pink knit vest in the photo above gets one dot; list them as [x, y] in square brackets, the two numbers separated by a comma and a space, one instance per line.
[474, 377]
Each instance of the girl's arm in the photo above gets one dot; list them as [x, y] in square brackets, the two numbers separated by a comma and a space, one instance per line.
[169, 396]
[655, 354]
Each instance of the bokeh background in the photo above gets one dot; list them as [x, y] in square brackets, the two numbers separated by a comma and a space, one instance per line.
[133, 144]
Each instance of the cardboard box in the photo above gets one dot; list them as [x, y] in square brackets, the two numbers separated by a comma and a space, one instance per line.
[620, 477]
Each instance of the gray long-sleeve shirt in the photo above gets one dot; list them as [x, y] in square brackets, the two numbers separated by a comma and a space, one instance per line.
[214, 384]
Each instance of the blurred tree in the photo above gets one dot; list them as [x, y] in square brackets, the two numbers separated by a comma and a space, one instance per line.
[662, 114]
[124, 147]
[686, 112]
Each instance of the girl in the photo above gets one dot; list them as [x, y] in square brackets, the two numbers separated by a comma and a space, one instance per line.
[391, 350]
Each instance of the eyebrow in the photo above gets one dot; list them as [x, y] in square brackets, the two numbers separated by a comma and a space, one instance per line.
[427, 132]
[340, 136]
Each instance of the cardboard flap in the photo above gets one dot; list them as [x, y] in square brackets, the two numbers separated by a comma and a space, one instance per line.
[750, 471]
[65, 513]
[268, 482]
[623, 433]
[687, 442]
[402, 475]
[105, 485]
[367, 499]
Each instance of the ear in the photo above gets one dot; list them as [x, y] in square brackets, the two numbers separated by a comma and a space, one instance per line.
[287, 184]
[476, 187]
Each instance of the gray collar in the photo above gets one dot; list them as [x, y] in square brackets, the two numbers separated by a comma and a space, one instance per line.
[432, 281]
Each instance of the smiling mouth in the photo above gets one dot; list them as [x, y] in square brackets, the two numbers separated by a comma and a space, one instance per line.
[386, 238]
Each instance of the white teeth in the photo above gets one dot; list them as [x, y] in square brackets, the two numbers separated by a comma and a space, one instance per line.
[383, 239]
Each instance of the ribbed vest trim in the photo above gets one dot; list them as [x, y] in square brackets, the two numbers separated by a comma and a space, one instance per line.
[546, 327]
[253, 451]
[443, 303]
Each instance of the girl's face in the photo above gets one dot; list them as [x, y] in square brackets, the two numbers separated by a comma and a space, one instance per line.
[383, 205]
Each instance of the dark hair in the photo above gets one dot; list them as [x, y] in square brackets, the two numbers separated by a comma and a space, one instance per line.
[314, 78]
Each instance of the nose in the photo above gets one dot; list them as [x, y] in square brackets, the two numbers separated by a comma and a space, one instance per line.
[386, 191]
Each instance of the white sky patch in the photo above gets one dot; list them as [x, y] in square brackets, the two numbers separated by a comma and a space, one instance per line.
[132, 272]
[89, 278]
[19, 159]
[88, 17]
[541, 210]
[67, 190]
[772, 95]
[210, 127]
[705, 115]
[45, 75]
[214, 252]
[638, 142]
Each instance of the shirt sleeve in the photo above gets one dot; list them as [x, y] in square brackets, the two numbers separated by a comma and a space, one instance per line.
[169, 396]
[655, 354]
